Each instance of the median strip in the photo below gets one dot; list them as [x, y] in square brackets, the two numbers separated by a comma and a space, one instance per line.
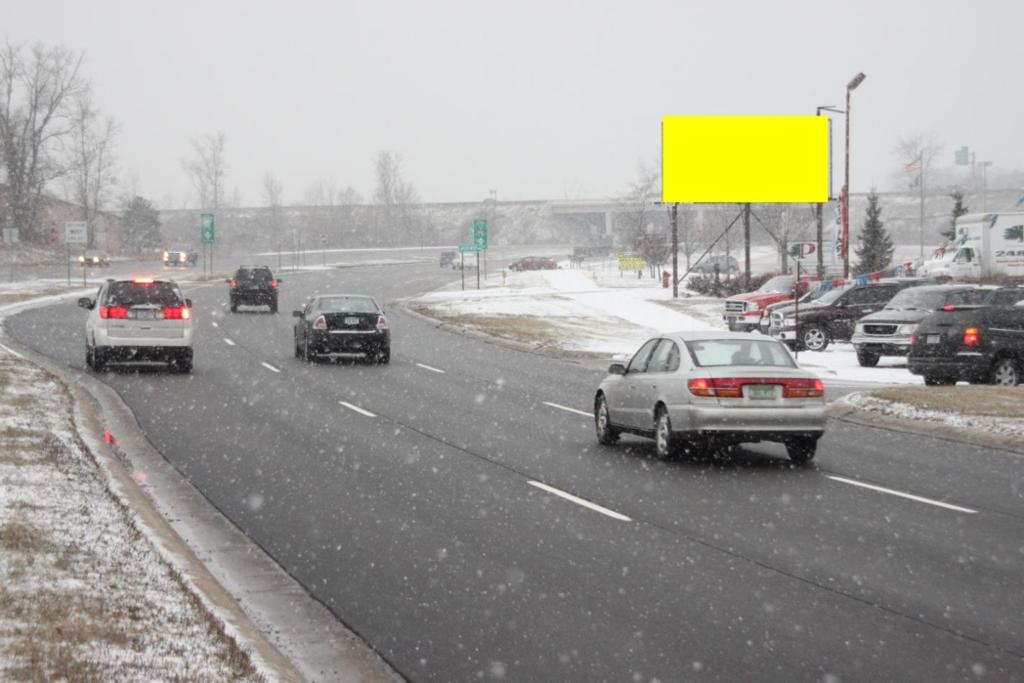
[270, 367]
[427, 367]
[357, 409]
[579, 501]
[901, 494]
[567, 409]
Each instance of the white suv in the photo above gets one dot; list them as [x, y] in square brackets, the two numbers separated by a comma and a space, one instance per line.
[138, 320]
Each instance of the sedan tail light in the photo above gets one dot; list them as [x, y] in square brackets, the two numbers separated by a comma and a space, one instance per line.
[722, 388]
[803, 388]
[107, 312]
[177, 313]
[972, 336]
[273, 284]
[382, 323]
[729, 387]
[320, 323]
[234, 283]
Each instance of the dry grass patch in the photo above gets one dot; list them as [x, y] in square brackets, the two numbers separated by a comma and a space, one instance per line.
[992, 401]
[7, 298]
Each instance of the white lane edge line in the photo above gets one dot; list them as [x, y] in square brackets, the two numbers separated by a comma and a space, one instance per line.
[567, 408]
[427, 367]
[12, 352]
[228, 342]
[357, 409]
[901, 494]
[579, 501]
[270, 367]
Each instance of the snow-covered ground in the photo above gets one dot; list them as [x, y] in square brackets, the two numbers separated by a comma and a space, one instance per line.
[83, 594]
[596, 310]
[992, 424]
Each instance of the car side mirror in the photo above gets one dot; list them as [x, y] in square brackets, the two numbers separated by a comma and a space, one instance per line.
[617, 369]
[296, 314]
[85, 302]
[280, 279]
[227, 280]
[188, 302]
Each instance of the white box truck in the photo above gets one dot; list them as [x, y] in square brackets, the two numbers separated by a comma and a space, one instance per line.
[989, 244]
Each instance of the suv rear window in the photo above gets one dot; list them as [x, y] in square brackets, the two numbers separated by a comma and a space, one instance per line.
[257, 274]
[133, 294]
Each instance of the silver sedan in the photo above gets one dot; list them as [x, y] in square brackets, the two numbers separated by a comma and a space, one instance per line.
[708, 390]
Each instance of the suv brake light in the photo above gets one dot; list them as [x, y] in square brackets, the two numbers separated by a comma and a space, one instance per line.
[273, 284]
[949, 307]
[143, 281]
[113, 312]
[972, 337]
[382, 323]
[177, 313]
[320, 323]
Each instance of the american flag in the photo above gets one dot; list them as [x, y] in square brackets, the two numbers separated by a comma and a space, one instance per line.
[914, 165]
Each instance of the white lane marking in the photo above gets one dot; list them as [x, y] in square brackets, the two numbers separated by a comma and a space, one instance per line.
[228, 342]
[12, 352]
[357, 409]
[579, 501]
[567, 408]
[214, 323]
[901, 494]
[427, 367]
[270, 367]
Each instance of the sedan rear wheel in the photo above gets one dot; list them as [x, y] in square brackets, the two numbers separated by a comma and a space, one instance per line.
[88, 356]
[1006, 372]
[306, 355]
[606, 434]
[666, 442]
[801, 449]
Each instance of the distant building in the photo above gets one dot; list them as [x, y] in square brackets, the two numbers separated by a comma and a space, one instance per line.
[53, 212]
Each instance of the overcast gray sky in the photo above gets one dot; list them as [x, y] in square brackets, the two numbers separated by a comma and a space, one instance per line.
[534, 99]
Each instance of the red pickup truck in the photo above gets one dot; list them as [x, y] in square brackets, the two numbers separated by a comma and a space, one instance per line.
[743, 311]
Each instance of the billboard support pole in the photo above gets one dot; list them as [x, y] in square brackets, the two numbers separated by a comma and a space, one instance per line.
[821, 258]
[746, 246]
[675, 250]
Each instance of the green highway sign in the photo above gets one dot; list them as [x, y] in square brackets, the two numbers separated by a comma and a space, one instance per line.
[470, 248]
[962, 157]
[480, 233]
[207, 228]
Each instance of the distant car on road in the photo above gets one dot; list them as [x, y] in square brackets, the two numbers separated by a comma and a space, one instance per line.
[977, 344]
[253, 286]
[533, 263]
[342, 326]
[889, 331]
[138, 320]
[93, 257]
[707, 390]
[180, 256]
[727, 265]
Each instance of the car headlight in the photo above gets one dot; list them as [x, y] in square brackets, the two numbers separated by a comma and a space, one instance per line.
[860, 329]
[165, 255]
[789, 322]
[907, 329]
[181, 257]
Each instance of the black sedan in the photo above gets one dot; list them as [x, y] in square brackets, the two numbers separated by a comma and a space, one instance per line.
[342, 326]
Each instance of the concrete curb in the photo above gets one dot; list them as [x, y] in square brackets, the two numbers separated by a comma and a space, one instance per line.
[292, 636]
[975, 437]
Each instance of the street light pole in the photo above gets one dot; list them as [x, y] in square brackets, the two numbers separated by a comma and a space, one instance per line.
[850, 87]
[820, 207]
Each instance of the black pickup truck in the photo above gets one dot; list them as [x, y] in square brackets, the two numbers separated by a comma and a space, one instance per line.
[978, 344]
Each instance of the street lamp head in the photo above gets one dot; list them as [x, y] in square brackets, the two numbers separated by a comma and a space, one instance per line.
[857, 80]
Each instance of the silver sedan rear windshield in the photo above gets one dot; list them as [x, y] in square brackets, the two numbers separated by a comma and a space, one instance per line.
[142, 294]
[713, 353]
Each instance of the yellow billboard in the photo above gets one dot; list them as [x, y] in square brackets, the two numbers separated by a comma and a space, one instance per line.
[756, 159]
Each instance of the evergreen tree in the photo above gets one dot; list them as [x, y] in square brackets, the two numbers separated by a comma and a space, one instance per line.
[140, 224]
[876, 246]
[958, 210]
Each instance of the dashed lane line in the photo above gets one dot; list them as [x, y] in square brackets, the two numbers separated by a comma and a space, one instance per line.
[229, 342]
[270, 367]
[427, 367]
[567, 409]
[579, 501]
[901, 494]
[356, 409]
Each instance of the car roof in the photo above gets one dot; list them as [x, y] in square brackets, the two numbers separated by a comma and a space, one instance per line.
[694, 335]
[253, 268]
[344, 295]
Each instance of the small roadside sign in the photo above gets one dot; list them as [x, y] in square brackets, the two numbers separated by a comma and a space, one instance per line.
[75, 232]
[631, 262]
[480, 233]
[470, 248]
[323, 239]
[207, 228]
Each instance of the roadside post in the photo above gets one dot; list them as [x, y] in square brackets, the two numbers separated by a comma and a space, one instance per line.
[75, 232]
[207, 235]
[323, 247]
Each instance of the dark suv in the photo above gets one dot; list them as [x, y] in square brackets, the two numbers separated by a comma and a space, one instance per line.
[832, 317]
[254, 286]
[976, 344]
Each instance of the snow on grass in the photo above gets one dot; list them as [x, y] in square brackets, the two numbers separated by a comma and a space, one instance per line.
[994, 424]
[83, 595]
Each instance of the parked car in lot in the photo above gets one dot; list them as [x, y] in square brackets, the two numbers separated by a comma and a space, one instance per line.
[253, 286]
[180, 256]
[764, 326]
[889, 331]
[707, 390]
[138, 320]
[832, 317]
[977, 344]
[342, 326]
[533, 263]
[94, 258]
[743, 312]
[727, 265]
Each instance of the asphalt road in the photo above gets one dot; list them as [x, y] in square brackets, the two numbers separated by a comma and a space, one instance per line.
[425, 503]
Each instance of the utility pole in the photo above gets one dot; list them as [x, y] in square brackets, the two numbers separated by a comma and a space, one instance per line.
[675, 250]
[850, 87]
[921, 161]
[746, 245]
[821, 257]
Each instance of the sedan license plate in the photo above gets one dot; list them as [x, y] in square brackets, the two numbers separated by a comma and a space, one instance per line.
[351, 321]
[759, 391]
[932, 339]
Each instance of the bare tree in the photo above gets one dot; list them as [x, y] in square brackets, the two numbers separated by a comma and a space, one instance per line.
[91, 163]
[273, 195]
[35, 91]
[207, 169]
[784, 224]
[642, 197]
[396, 199]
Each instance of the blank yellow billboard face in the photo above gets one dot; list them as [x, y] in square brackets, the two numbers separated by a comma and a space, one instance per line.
[720, 159]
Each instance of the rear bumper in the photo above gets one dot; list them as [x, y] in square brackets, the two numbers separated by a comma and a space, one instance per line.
[257, 298]
[105, 339]
[327, 343]
[964, 366]
[132, 354]
[803, 419]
